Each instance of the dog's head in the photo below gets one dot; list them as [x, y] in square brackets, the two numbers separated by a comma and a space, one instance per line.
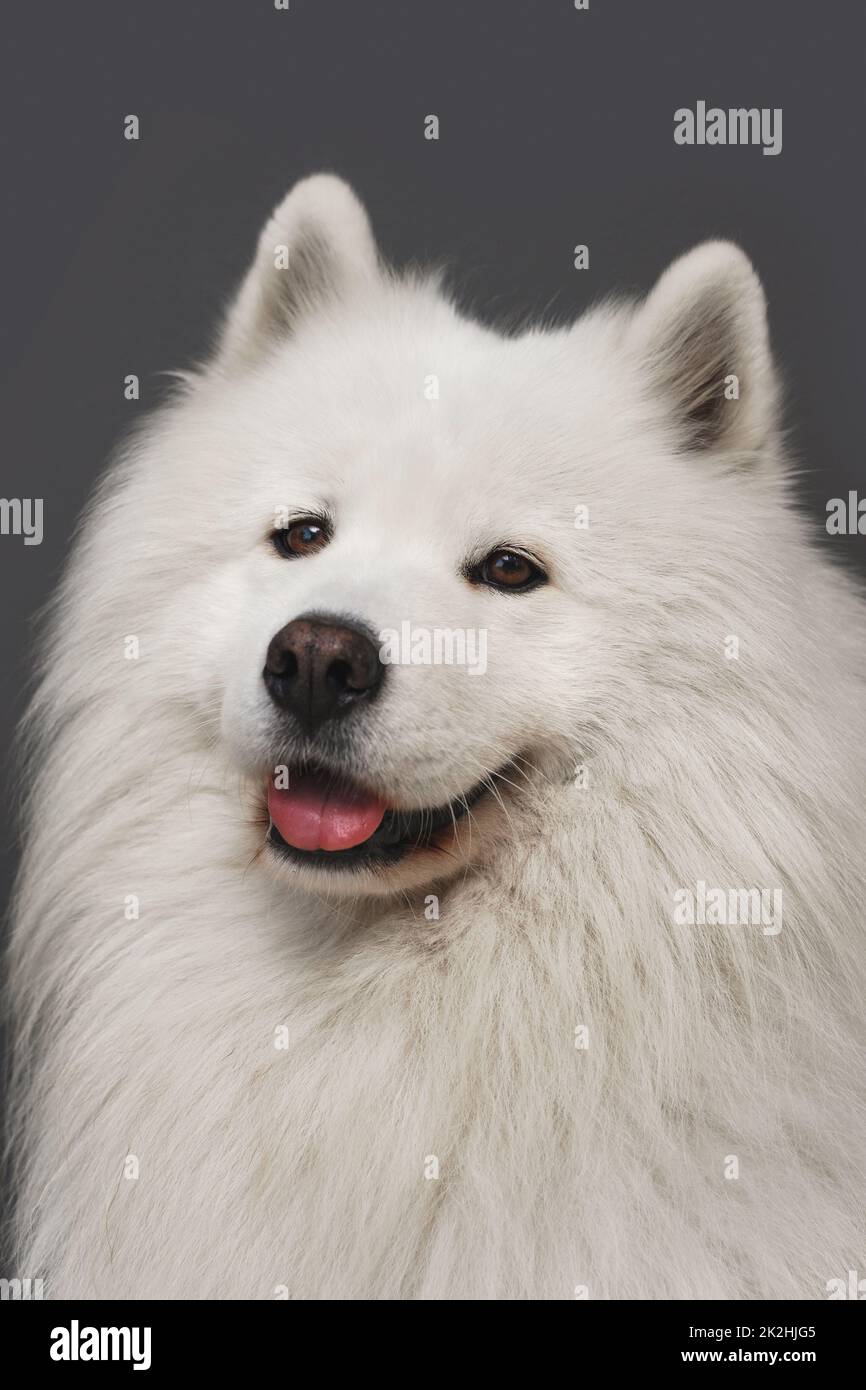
[441, 562]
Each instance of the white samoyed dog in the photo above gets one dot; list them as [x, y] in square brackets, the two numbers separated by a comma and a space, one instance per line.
[444, 833]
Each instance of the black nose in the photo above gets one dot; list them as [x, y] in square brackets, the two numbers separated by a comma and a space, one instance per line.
[321, 668]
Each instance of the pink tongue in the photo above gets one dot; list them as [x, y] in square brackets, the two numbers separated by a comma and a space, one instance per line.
[309, 814]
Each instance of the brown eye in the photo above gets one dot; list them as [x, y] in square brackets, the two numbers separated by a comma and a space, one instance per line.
[303, 537]
[508, 569]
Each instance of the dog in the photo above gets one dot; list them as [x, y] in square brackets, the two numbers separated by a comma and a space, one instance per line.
[350, 965]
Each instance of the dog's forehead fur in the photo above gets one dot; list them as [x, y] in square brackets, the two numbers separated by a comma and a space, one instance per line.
[400, 400]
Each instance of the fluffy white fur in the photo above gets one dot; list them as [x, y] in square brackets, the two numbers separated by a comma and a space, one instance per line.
[300, 1169]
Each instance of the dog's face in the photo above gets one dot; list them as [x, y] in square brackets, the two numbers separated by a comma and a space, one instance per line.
[428, 544]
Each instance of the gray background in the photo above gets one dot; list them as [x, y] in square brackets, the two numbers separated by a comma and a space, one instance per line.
[556, 128]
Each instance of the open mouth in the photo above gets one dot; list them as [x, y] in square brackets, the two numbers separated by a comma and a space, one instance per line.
[323, 820]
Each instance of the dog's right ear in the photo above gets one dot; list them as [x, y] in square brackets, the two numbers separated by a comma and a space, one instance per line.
[316, 247]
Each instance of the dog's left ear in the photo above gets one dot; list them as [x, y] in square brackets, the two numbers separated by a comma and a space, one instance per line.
[701, 335]
[316, 248]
